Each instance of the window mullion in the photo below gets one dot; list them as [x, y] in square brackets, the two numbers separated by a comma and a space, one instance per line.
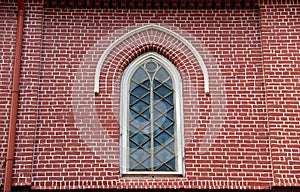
[151, 125]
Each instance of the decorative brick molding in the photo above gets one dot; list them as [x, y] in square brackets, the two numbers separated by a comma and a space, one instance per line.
[150, 38]
[150, 4]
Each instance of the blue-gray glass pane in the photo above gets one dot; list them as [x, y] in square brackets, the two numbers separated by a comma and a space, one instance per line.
[163, 122]
[162, 74]
[156, 113]
[139, 91]
[146, 84]
[140, 75]
[146, 146]
[164, 155]
[133, 114]
[137, 166]
[132, 98]
[163, 91]
[170, 113]
[164, 168]
[163, 138]
[167, 123]
[139, 107]
[157, 145]
[156, 129]
[156, 83]
[133, 85]
[151, 66]
[133, 163]
[139, 122]
[169, 166]
[144, 166]
[163, 106]
[133, 130]
[157, 163]
[156, 97]
[171, 130]
[140, 138]
[169, 83]
[147, 163]
[147, 114]
[170, 98]
[159, 121]
[170, 146]
[140, 155]
[147, 99]
[132, 146]
[172, 162]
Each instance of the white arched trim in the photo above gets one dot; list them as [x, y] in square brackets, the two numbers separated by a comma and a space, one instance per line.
[124, 113]
[144, 28]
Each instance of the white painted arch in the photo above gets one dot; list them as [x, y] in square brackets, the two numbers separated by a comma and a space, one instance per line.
[145, 28]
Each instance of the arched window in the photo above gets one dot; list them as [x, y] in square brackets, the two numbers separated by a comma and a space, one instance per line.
[151, 118]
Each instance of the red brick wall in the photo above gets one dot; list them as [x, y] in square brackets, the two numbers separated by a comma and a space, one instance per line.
[73, 134]
[28, 95]
[7, 46]
[281, 42]
[29, 81]
[69, 115]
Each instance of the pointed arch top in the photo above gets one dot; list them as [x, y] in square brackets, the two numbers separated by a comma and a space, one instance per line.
[145, 28]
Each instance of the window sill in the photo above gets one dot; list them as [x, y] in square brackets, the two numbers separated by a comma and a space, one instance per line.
[152, 174]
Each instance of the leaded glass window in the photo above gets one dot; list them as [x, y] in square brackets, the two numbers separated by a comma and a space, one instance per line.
[151, 121]
[151, 127]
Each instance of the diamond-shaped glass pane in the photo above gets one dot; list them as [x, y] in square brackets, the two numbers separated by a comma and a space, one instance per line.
[164, 155]
[140, 155]
[163, 138]
[139, 91]
[139, 122]
[140, 138]
[163, 106]
[163, 122]
[163, 91]
[139, 106]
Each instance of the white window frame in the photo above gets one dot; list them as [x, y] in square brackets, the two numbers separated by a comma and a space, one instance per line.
[124, 113]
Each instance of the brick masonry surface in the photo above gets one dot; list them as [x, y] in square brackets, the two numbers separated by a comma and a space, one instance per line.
[243, 135]
[7, 30]
[280, 45]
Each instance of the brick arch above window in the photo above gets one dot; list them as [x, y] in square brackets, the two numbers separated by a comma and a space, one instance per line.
[148, 38]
